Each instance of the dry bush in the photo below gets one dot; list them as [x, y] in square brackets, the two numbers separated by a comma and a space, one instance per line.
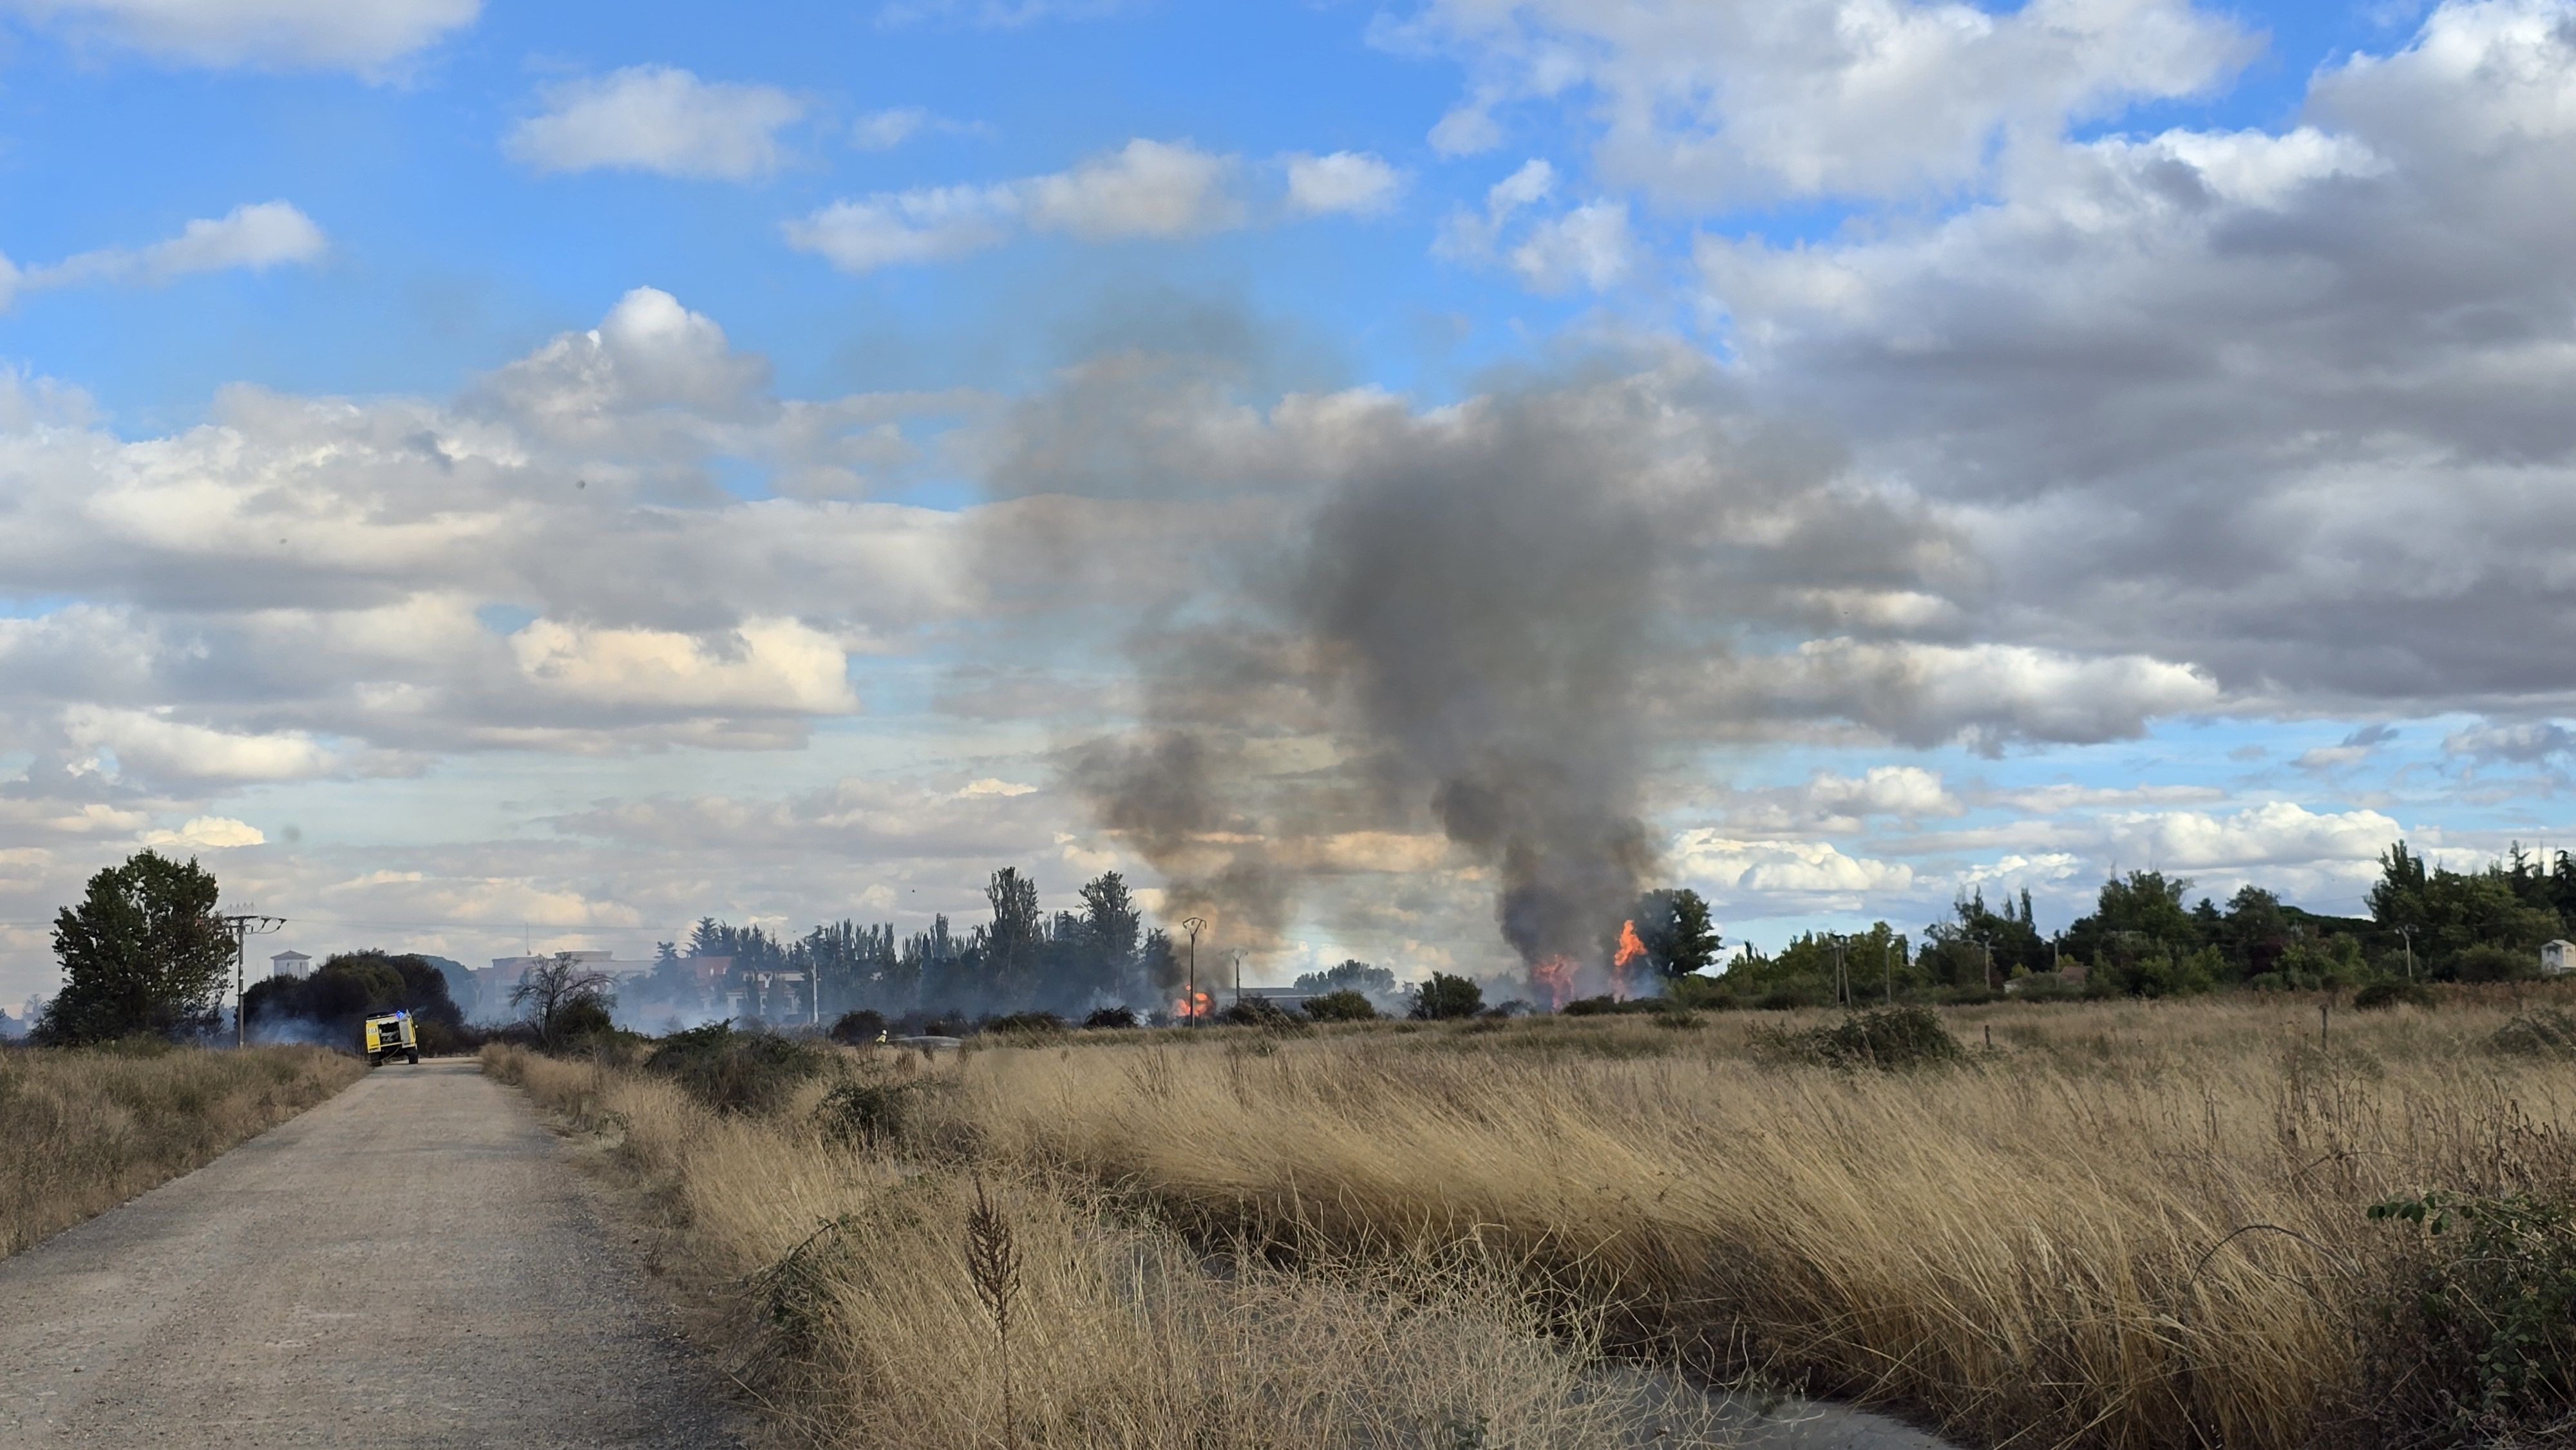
[843, 1280]
[2132, 1224]
[83, 1130]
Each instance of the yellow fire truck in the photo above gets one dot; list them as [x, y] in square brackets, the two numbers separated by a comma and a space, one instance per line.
[391, 1036]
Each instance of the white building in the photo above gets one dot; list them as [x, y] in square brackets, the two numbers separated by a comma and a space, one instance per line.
[2554, 958]
[288, 964]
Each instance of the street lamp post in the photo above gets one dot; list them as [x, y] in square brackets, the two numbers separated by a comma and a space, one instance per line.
[2408, 933]
[1195, 925]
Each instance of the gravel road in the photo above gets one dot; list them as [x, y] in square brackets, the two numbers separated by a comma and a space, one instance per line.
[414, 1262]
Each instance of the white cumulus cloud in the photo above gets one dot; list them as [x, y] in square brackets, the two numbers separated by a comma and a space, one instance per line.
[761, 665]
[157, 746]
[657, 118]
[1354, 182]
[1793, 868]
[251, 238]
[207, 833]
[1704, 101]
[1143, 189]
[360, 35]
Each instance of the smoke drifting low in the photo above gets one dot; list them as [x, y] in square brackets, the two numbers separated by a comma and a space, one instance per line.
[1481, 627]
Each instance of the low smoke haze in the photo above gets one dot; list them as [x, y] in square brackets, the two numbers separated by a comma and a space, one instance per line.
[1394, 484]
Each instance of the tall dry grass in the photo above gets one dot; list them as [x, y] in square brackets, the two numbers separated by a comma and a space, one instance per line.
[83, 1130]
[838, 1279]
[2127, 1225]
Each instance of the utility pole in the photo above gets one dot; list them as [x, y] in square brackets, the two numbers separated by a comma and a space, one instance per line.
[1887, 966]
[1195, 925]
[2408, 933]
[1842, 979]
[1238, 976]
[1989, 945]
[242, 929]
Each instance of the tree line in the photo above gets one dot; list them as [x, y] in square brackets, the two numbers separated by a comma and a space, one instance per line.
[144, 951]
[2145, 937]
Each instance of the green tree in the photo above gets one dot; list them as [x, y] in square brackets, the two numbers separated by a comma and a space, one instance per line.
[1956, 952]
[1874, 961]
[1012, 940]
[1351, 976]
[353, 986]
[1675, 928]
[1447, 996]
[143, 952]
[2450, 913]
[1111, 920]
[2135, 917]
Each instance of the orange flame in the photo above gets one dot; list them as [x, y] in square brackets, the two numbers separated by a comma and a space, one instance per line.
[1555, 977]
[1190, 1007]
[1631, 951]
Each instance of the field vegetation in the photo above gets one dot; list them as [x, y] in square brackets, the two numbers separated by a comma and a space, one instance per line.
[2227, 1220]
[84, 1129]
[874, 1283]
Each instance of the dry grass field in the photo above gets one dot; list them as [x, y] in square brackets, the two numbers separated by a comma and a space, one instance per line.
[2132, 1225]
[838, 1280]
[83, 1130]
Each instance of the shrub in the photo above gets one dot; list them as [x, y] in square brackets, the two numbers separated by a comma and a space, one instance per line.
[735, 1072]
[861, 1025]
[1887, 1038]
[1257, 1012]
[870, 1105]
[2542, 1032]
[2392, 992]
[1446, 996]
[1111, 1017]
[580, 1020]
[1707, 993]
[2478, 1335]
[1619, 1006]
[1026, 1024]
[2488, 963]
[1345, 1005]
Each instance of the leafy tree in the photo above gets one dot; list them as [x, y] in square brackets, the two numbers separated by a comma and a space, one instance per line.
[1351, 976]
[1804, 970]
[2136, 917]
[1956, 953]
[1345, 1005]
[1446, 996]
[1011, 940]
[1676, 930]
[2447, 913]
[1111, 923]
[1158, 962]
[143, 952]
[353, 986]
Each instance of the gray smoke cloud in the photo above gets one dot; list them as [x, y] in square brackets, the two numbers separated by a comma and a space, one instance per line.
[1487, 622]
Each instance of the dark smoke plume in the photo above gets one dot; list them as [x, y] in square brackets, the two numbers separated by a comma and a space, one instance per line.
[1482, 620]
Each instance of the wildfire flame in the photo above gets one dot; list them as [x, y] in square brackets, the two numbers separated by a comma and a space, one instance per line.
[1189, 1007]
[1555, 977]
[1631, 951]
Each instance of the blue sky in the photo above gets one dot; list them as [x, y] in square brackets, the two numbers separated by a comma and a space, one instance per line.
[473, 464]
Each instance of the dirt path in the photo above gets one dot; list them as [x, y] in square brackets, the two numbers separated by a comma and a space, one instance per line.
[412, 1263]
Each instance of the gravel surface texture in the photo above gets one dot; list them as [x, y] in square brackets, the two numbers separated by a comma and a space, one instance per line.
[413, 1263]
